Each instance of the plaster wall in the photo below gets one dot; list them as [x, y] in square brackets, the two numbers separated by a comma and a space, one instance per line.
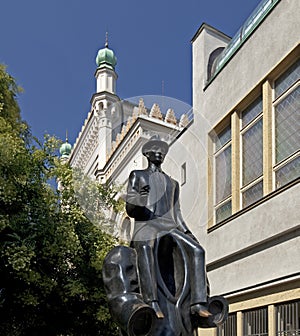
[269, 264]
[277, 215]
[207, 41]
[189, 149]
[136, 162]
[267, 46]
[230, 267]
[277, 35]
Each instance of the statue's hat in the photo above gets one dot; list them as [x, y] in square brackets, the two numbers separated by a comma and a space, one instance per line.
[156, 141]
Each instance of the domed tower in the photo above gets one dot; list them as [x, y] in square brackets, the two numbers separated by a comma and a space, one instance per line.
[65, 150]
[94, 142]
[105, 74]
[104, 99]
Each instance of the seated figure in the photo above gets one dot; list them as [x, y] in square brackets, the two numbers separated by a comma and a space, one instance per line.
[153, 201]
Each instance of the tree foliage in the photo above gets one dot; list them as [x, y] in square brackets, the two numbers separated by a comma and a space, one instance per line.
[51, 254]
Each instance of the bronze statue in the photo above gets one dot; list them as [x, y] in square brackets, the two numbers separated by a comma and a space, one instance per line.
[158, 285]
[153, 201]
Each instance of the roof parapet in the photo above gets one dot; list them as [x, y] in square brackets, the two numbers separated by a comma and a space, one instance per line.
[253, 21]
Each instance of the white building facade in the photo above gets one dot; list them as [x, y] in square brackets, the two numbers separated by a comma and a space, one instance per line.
[236, 156]
[108, 146]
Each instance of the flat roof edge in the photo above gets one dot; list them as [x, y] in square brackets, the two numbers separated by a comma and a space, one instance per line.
[210, 28]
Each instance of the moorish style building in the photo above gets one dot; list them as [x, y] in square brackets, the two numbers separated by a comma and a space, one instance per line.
[108, 146]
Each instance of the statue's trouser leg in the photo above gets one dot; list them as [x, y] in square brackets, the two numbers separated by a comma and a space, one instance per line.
[146, 267]
[196, 267]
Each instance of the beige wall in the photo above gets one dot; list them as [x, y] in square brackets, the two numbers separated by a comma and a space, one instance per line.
[270, 43]
[254, 232]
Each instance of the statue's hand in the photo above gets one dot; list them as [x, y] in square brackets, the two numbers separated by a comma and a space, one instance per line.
[144, 193]
[145, 190]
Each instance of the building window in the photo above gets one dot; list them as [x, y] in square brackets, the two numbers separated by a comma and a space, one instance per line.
[228, 328]
[252, 153]
[288, 319]
[183, 174]
[255, 322]
[259, 150]
[222, 158]
[287, 126]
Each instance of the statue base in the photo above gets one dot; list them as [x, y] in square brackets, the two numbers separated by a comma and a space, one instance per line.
[134, 316]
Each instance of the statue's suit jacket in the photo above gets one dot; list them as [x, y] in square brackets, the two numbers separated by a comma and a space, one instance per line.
[157, 211]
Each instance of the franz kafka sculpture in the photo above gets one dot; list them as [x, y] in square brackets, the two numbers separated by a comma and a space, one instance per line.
[158, 286]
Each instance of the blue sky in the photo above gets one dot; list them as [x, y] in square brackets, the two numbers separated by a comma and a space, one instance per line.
[50, 48]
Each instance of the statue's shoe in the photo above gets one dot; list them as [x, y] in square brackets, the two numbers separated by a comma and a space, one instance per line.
[201, 310]
[159, 314]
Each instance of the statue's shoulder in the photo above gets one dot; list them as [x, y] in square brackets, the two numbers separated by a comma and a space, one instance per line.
[175, 182]
[137, 173]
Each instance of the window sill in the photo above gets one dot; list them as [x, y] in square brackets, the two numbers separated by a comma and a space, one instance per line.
[253, 205]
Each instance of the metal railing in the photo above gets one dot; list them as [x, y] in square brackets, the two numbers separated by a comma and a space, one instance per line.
[257, 16]
[229, 328]
[288, 319]
[255, 322]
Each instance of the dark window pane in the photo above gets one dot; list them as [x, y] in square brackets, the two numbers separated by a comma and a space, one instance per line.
[223, 137]
[286, 80]
[252, 153]
[223, 174]
[252, 112]
[223, 212]
[288, 173]
[253, 194]
[287, 125]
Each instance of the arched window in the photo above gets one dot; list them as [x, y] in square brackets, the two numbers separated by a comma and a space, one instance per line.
[211, 62]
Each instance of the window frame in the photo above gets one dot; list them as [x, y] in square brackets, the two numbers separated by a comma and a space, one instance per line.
[183, 174]
[276, 166]
[266, 89]
[244, 187]
[216, 153]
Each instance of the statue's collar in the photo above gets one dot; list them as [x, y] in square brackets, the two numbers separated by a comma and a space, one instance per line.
[154, 169]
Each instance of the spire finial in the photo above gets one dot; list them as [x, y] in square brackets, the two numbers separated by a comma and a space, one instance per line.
[66, 135]
[106, 40]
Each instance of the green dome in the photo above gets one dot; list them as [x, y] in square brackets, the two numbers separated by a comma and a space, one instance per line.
[65, 150]
[106, 58]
